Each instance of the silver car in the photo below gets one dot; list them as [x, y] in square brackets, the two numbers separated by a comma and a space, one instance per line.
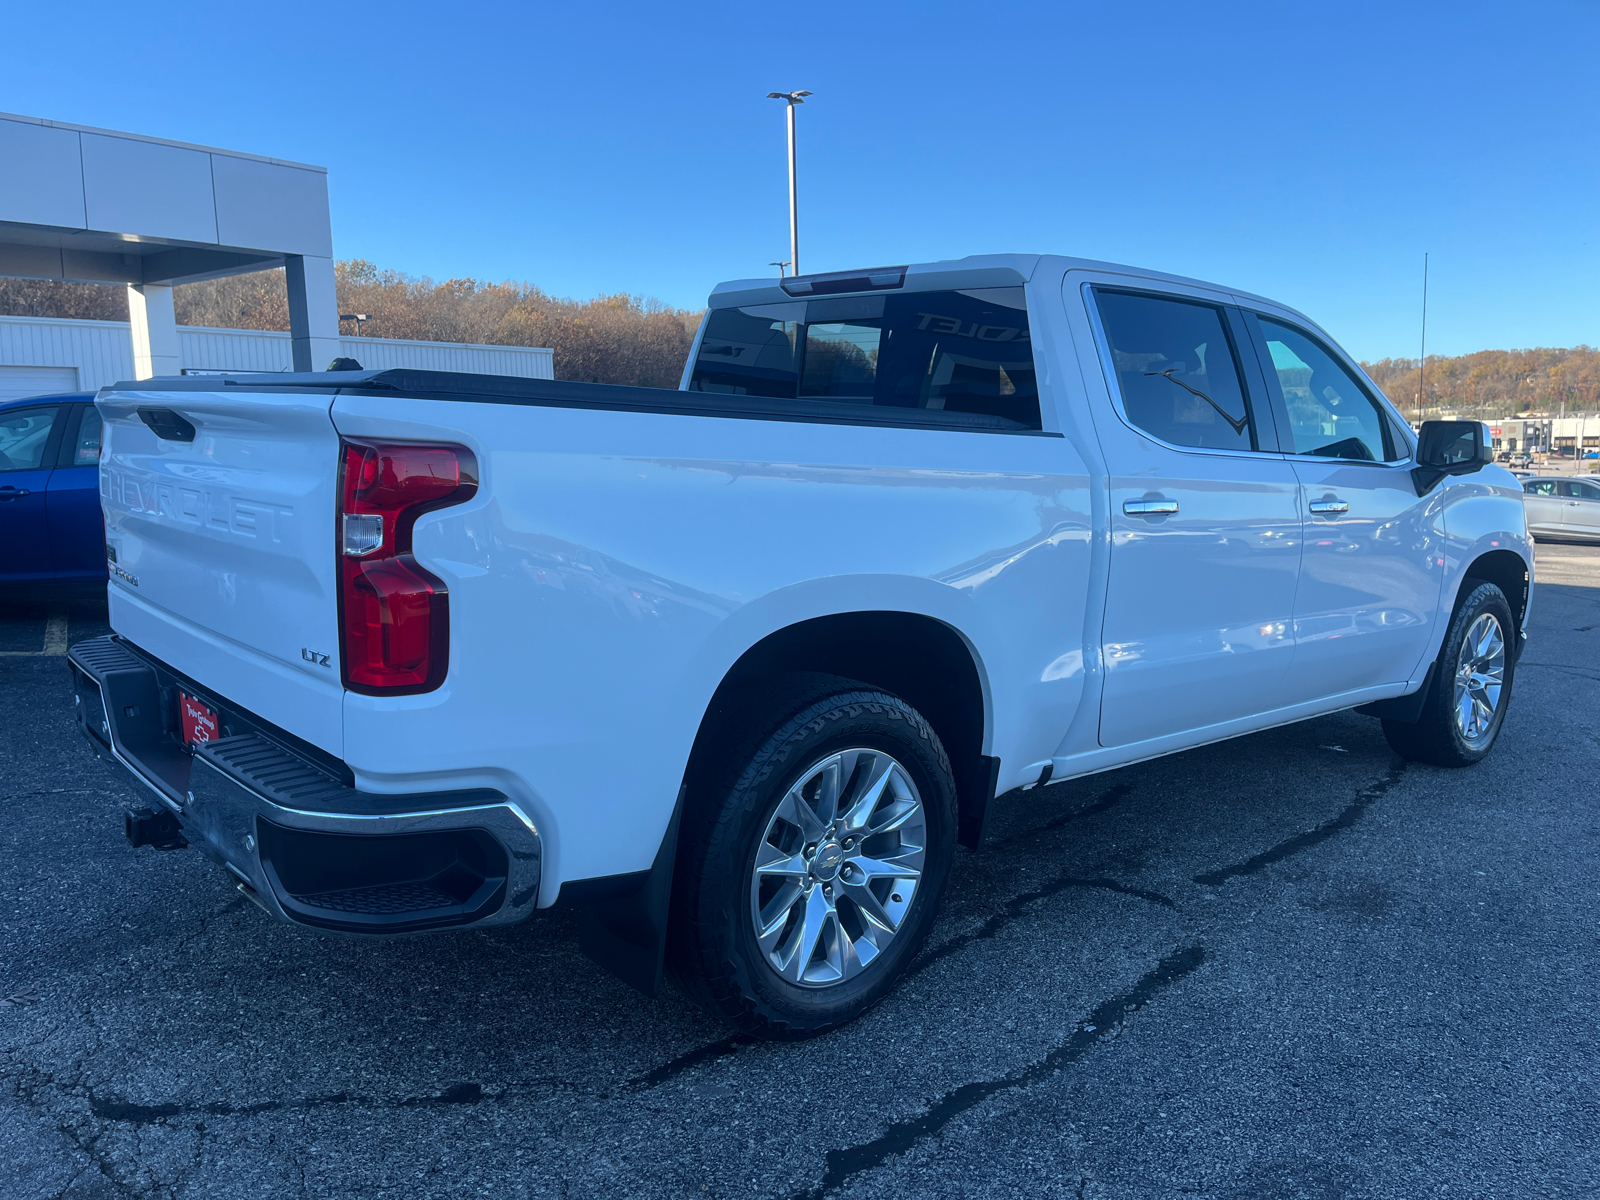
[1563, 508]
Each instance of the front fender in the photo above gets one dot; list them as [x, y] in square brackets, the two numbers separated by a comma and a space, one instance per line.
[1482, 515]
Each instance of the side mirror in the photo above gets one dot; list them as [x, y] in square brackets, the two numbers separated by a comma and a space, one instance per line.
[1450, 448]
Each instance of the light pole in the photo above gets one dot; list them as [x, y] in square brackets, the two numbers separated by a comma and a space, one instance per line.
[791, 99]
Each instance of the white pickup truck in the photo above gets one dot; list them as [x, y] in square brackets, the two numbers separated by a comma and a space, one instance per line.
[733, 668]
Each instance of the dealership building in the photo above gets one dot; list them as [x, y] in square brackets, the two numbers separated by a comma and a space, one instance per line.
[1562, 436]
[98, 206]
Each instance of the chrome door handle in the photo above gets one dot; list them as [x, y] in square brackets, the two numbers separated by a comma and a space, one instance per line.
[1321, 507]
[1149, 508]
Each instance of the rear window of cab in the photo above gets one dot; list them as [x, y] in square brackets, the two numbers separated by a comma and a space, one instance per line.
[956, 351]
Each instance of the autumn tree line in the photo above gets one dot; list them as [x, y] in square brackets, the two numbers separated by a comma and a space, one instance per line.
[610, 339]
[1493, 383]
[630, 340]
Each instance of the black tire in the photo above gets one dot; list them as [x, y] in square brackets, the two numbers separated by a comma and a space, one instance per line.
[1437, 737]
[783, 733]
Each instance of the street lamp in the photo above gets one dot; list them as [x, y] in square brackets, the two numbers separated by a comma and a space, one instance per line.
[359, 318]
[790, 99]
[780, 266]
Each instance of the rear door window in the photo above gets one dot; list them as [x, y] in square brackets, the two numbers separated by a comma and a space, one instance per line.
[1582, 489]
[1178, 371]
[81, 448]
[964, 352]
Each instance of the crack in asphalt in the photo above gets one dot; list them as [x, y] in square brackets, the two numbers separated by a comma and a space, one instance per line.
[687, 1061]
[728, 1046]
[228, 908]
[1015, 908]
[1365, 799]
[1110, 798]
[25, 1088]
[1106, 1020]
[113, 1108]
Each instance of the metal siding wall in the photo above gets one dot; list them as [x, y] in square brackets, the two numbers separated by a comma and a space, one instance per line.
[233, 349]
[383, 353]
[103, 351]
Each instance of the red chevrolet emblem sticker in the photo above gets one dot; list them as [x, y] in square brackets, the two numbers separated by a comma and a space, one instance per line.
[199, 720]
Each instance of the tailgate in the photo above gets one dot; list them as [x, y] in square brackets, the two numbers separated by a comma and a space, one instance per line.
[219, 509]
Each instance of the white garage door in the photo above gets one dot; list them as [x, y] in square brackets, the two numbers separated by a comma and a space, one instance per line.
[18, 382]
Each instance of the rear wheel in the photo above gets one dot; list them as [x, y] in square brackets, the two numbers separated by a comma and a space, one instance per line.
[813, 870]
[1470, 689]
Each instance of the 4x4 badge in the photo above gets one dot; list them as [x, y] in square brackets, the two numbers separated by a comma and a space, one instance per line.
[315, 656]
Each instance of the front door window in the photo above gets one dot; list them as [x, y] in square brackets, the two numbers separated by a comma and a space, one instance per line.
[24, 478]
[1330, 414]
[23, 437]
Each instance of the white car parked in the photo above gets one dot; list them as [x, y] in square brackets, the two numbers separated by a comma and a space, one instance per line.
[734, 668]
[1563, 508]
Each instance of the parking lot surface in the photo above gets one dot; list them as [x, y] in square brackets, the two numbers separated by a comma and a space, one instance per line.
[1288, 965]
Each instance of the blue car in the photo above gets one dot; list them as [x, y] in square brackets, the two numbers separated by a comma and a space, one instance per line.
[51, 532]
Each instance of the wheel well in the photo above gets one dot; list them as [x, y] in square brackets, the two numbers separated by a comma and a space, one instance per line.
[1508, 572]
[919, 659]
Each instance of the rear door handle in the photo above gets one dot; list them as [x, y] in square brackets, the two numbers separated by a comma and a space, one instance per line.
[13, 493]
[1323, 507]
[1149, 508]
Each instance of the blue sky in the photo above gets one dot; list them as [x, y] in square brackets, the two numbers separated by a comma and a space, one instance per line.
[1311, 152]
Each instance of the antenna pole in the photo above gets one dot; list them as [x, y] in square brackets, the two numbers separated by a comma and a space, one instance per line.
[1422, 362]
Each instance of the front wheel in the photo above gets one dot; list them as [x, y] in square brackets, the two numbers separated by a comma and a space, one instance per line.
[813, 872]
[1470, 689]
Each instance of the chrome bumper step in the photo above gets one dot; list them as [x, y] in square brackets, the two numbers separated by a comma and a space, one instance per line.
[315, 849]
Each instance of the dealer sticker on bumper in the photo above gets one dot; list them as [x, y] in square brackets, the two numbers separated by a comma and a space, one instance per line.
[199, 720]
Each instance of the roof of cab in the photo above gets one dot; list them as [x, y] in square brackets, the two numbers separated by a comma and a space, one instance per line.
[978, 271]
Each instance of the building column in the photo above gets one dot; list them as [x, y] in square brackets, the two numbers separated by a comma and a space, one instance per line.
[155, 330]
[313, 312]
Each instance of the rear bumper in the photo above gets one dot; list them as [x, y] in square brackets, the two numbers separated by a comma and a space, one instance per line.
[288, 826]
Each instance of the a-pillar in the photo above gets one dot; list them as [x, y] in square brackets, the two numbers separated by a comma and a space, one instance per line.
[155, 330]
[313, 312]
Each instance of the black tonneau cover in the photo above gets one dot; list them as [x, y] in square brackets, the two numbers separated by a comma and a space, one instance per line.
[555, 393]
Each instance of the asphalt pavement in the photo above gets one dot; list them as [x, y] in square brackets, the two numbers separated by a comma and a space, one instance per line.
[1289, 965]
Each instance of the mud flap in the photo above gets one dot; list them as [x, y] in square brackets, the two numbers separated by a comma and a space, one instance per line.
[622, 926]
[1405, 709]
[973, 796]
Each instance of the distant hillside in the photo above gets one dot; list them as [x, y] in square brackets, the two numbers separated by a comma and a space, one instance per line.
[1496, 383]
[610, 339]
[626, 339]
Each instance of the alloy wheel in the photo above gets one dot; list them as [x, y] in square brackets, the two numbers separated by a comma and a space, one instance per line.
[1480, 675]
[837, 867]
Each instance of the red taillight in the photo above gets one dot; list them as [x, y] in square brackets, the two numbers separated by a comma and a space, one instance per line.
[394, 616]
